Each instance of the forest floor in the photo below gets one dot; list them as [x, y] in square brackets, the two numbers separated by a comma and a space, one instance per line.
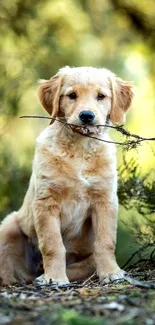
[127, 302]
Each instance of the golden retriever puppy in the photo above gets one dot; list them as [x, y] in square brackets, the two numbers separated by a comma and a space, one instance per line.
[66, 227]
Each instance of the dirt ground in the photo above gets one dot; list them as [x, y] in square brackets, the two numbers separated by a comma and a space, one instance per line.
[125, 302]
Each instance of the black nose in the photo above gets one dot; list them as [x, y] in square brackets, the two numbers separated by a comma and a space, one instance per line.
[86, 116]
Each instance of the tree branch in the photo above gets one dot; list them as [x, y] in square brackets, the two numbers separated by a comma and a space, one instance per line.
[126, 144]
[141, 21]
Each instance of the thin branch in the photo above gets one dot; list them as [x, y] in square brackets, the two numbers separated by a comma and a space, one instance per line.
[137, 283]
[88, 280]
[47, 118]
[152, 257]
[141, 249]
[141, 20]
[54, 286]
[128, 144]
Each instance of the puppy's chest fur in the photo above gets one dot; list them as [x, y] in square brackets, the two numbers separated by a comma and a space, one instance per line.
[74, 180]
[75, 173]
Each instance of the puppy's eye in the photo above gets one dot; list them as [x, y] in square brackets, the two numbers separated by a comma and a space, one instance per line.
[72, 95]
[100, 96]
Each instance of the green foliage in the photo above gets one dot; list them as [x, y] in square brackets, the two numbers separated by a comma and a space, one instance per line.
[137, 193]
[38, 39]
[13, 180]
[135, 189]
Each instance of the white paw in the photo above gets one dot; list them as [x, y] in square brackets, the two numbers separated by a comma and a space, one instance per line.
[42, 280]
[119, 274]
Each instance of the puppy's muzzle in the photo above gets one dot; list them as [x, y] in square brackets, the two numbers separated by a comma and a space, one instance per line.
[86, 117]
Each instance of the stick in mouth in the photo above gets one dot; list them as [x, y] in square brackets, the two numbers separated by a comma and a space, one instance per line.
[87, 129]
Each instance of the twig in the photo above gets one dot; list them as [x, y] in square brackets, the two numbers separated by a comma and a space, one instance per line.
[47, 118]
[127, 144]
[89, 279]
[54, 286]
[134, 254]
[152, 257]
[138, 283]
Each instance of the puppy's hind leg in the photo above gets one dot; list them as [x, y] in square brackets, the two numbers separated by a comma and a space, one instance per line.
[12, 252]
[79, 271]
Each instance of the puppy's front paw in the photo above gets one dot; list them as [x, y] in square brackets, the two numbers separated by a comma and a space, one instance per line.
[43, 279]
[116, 275]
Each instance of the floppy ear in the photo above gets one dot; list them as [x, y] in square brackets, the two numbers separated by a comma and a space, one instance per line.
[49, 95]
[122, 95]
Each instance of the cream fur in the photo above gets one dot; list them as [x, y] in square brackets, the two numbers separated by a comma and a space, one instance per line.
[70, 210]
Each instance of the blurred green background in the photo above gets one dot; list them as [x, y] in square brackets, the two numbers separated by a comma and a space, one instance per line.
[39, 37]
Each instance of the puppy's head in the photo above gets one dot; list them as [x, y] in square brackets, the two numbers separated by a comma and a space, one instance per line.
[86, 97]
